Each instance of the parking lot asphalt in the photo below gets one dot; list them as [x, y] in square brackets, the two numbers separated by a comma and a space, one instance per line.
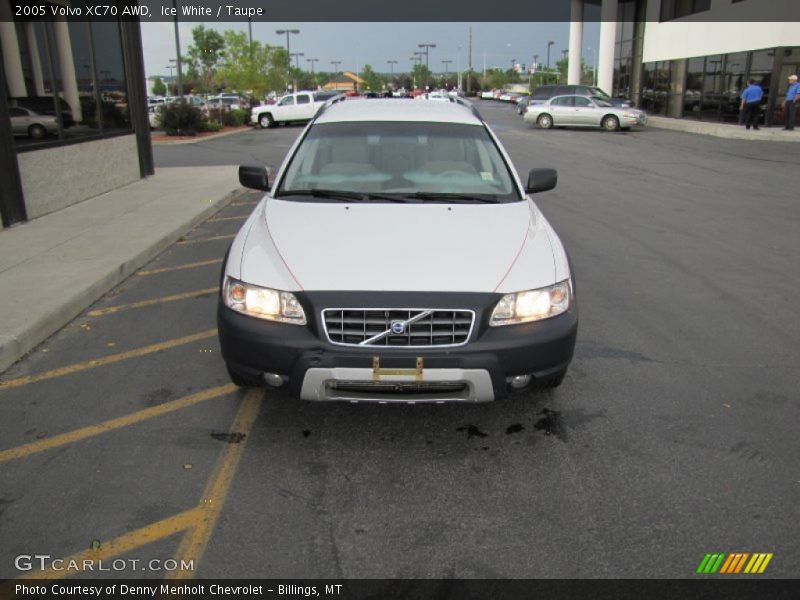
[674, 434]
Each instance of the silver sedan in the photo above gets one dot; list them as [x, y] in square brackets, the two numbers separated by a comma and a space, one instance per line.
[580, 111]
[34, 125]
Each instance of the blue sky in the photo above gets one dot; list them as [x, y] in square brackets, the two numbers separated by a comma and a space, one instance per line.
[357, 44]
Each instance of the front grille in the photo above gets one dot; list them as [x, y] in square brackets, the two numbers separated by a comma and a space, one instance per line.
[397, 388]
[428, 327]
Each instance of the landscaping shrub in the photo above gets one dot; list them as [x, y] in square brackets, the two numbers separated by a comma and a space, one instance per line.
[234, 118]
[180, 118]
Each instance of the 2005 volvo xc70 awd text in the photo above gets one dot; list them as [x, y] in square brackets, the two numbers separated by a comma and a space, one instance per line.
[397, 257]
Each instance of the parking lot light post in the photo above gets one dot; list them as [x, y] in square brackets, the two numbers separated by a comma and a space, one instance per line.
[335, 64]
[312, 61]
[297, 56]
[288, 32]
[427, 56]
[446, 64]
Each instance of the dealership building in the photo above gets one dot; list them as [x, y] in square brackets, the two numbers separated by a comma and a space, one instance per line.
[691, 59]
[73, 116]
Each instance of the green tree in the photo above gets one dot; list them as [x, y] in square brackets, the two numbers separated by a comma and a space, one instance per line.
[372, 81]
[159, 88]
[421, 75]
[203, 56]
[250, 66]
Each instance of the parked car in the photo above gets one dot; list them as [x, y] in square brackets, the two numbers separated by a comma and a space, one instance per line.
[409, 295]
[487, 95]
[580, 111]
[45, 105]
[25, 122]
[545, 92]
[300, 106]
[152, 115]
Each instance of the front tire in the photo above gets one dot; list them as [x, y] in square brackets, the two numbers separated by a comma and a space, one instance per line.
[266, 121]
[241, 380]
[550, 382]
[545, 121]
[611, 123]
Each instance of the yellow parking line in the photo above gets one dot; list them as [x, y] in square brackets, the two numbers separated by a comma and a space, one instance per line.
[208, 239]
[222, 219]
[196, 539]
[122, 544]
[202, 263]
[151, 302]
[107, 360]
[93, 430]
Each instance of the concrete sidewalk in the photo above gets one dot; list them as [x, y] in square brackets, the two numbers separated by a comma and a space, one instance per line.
[724, 130]
[55, 266]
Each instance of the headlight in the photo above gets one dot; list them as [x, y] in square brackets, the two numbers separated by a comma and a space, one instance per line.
[532, 305]
[630, 115]
[263, 303]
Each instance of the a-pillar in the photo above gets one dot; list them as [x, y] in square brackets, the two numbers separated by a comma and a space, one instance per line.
[575, 42]
[69, 81]
[12, 61]
[608, 39]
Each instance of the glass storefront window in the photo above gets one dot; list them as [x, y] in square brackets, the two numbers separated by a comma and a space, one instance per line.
[733, 82]
[712, 88]
[111, 73]
[693, 97]
[66, 87]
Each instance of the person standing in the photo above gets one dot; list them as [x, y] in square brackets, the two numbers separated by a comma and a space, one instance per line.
[751, 104]
[792, 99]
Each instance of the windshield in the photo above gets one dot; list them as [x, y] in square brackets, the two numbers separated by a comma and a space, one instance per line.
[601, 102]
[596, 91]
[418, 160]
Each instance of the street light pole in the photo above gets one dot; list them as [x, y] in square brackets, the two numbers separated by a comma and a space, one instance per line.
[551, 43]
[427, 49]
[392, 63]
[312, 61]
[446, 64]
[297, 56]
[178, 51]
[336, 64]
[288, 48]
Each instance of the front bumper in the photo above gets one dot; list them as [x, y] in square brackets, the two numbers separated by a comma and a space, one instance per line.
[315, 367]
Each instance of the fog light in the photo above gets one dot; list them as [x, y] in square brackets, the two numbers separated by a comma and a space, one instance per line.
[273, 379]
[519, 382]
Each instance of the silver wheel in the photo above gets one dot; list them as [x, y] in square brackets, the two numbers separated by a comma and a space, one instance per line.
[611, 123]
[265, 120]
[545, 121]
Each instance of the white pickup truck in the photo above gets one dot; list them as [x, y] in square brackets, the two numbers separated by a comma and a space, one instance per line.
[299, 106]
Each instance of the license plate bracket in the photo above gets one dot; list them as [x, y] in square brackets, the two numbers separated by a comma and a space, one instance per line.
[378, 371]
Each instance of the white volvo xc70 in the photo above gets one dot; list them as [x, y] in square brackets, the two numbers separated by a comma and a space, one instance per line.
[397, 256]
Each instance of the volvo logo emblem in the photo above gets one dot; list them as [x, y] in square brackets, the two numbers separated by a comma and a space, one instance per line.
[398, 327]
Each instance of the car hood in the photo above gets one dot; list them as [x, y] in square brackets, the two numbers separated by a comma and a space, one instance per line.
[397, 247]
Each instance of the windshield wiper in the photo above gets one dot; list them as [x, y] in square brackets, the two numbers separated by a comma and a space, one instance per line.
[488, 198]
[322, 193]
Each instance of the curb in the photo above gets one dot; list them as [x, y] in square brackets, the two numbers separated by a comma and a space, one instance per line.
[729, 132]
[12, 349]
[197, 140]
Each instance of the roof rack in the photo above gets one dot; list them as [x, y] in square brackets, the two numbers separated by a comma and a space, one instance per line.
[469, 105]
[330, 102]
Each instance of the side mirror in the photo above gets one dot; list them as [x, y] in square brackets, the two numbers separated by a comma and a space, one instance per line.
[254, 177]
[541, 180]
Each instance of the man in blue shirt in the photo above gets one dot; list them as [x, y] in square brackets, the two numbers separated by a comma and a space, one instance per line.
[791, 102]
[751, 104]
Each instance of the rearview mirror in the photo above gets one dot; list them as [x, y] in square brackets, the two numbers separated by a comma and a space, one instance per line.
[541, 180]
[254, 177]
